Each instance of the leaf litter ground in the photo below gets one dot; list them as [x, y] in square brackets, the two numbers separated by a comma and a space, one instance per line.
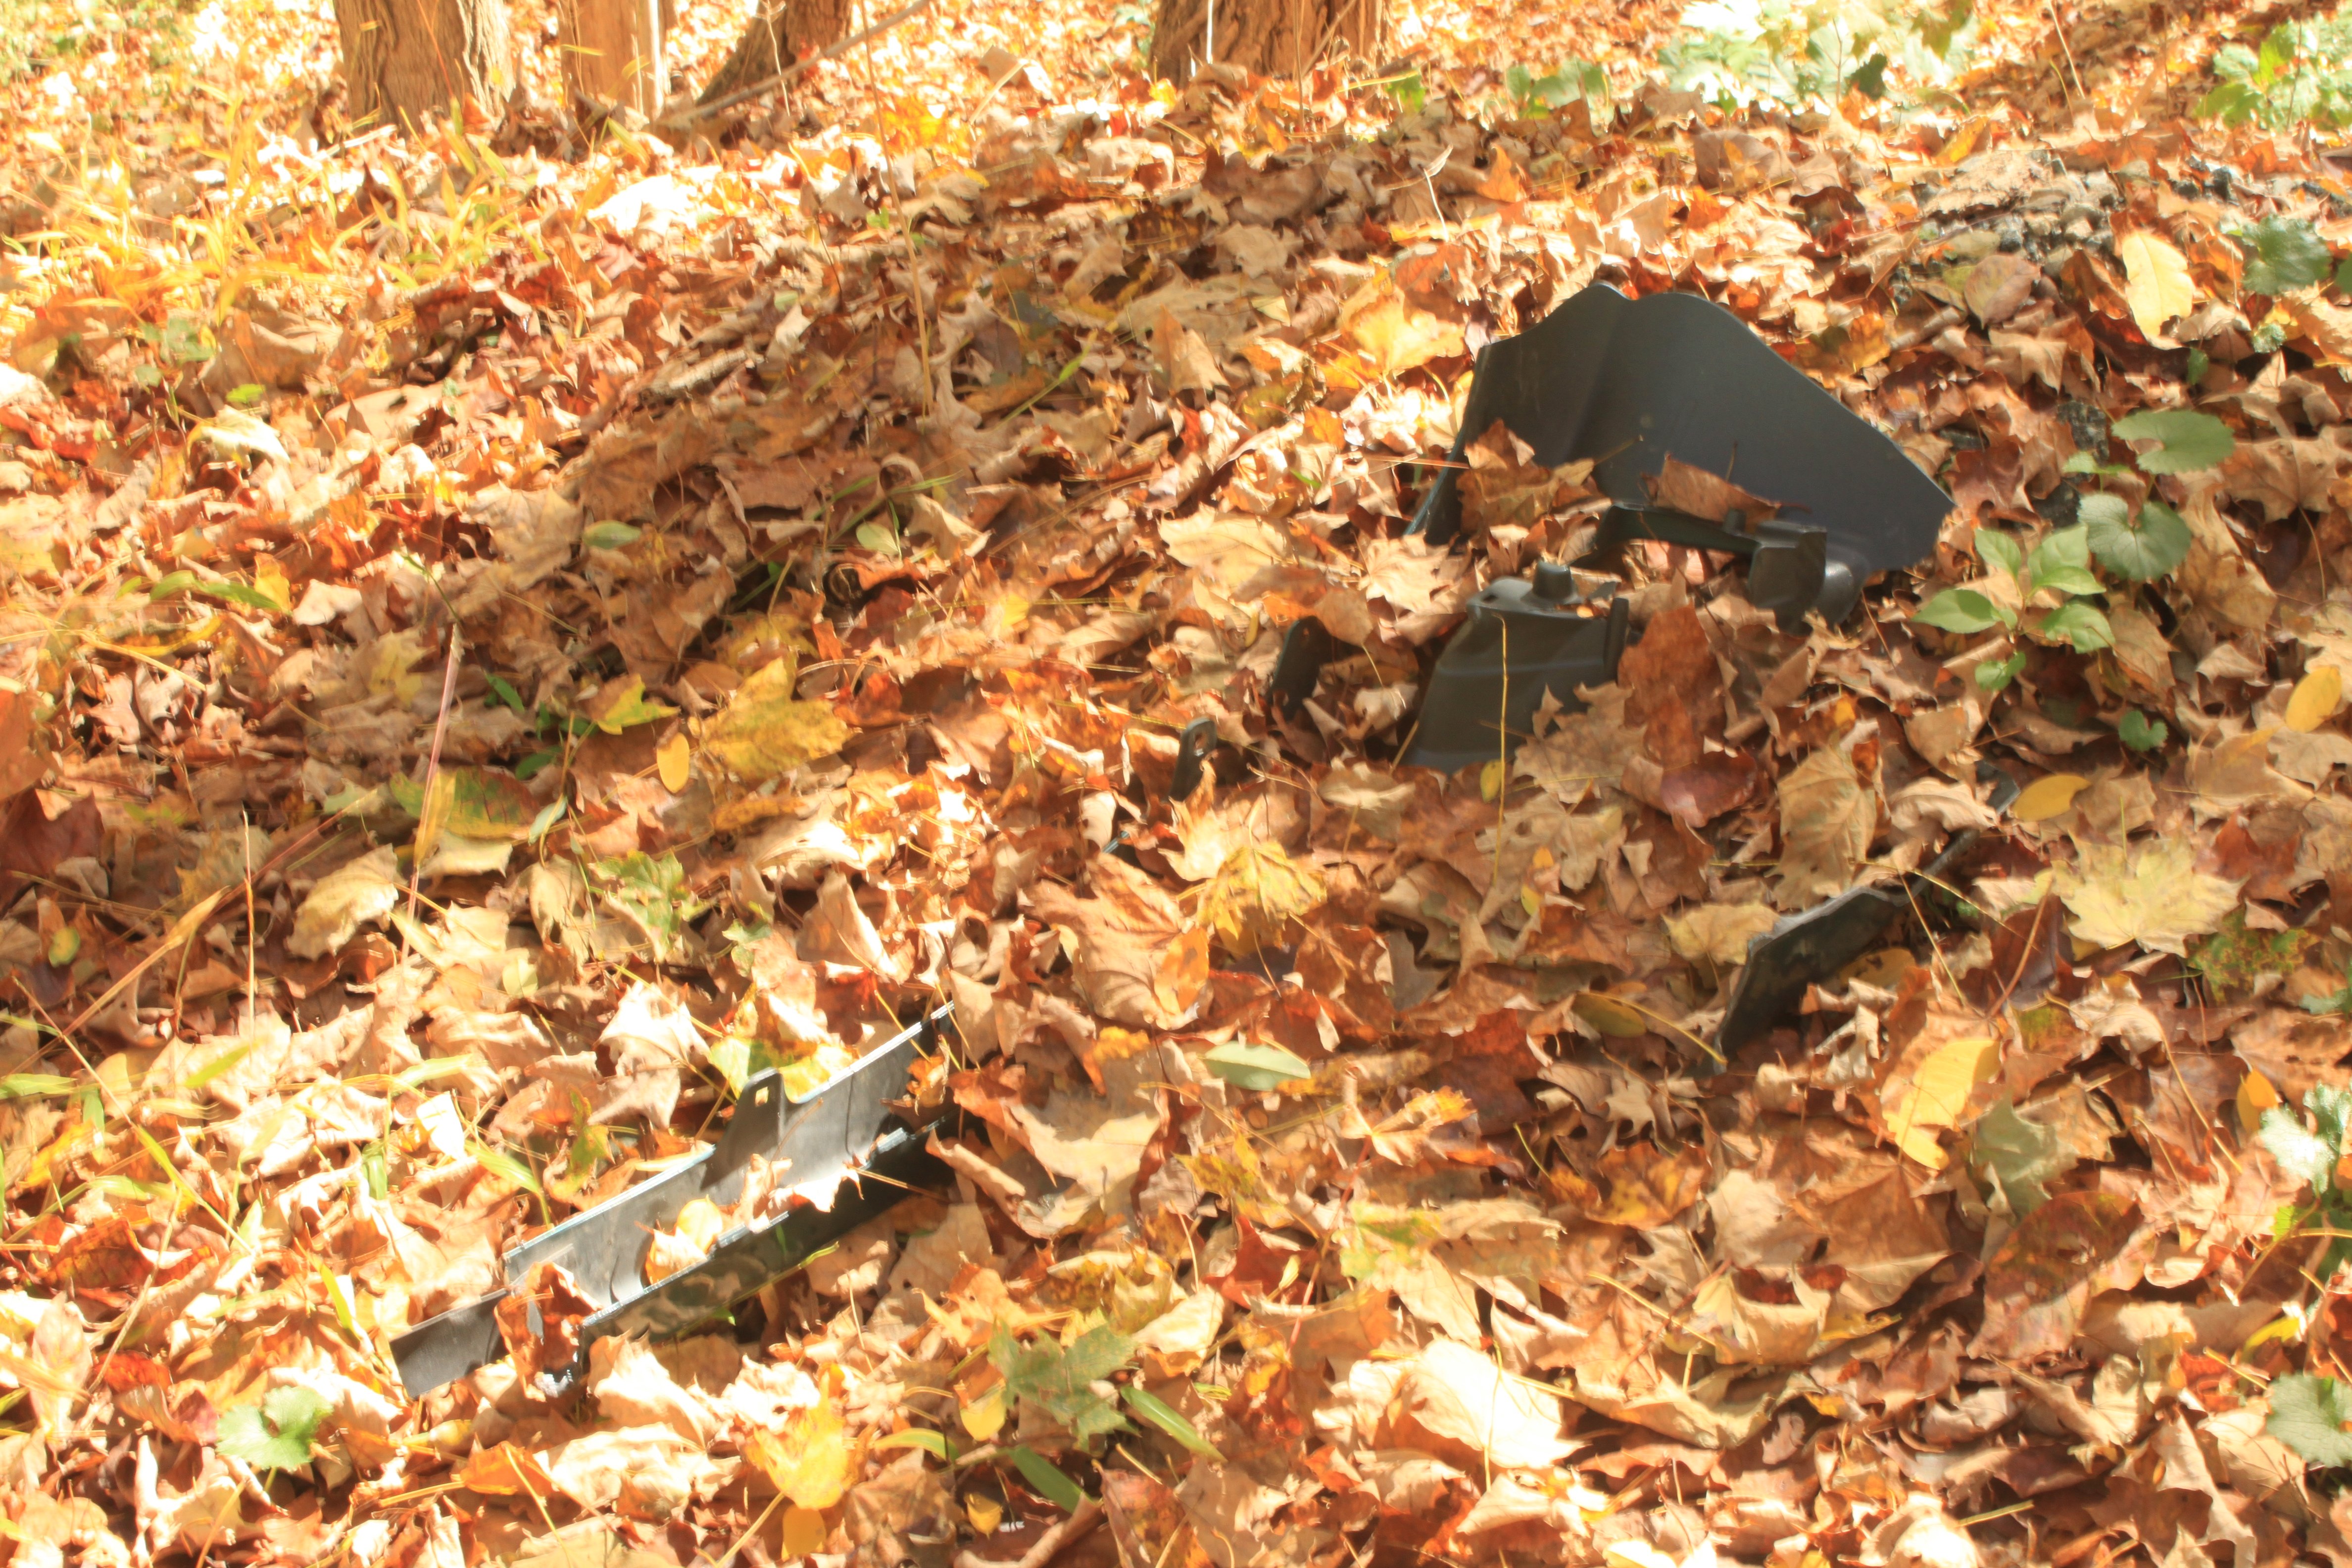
[502, 646]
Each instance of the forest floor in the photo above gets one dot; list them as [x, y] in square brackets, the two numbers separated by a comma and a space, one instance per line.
[507, 640]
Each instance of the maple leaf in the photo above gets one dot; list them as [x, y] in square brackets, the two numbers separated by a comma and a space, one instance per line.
[275, 1434]
[1827, 819]
[766, 730]
[812, 1459]
[1067, 1385]
[1256, 893]
[2151, 893]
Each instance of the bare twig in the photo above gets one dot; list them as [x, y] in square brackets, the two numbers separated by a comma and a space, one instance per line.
[701, 111]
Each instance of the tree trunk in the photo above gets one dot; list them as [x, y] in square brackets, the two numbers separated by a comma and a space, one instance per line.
[780, 32]
[408, 60]
[1269, 38]
[613, 52]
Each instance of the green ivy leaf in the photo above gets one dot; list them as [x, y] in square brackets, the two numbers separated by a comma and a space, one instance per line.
[2140, 733]
[2138, 550]
[1962, 610]
[2308, 1415]
[2189, 440]
[2082, 626]
[1061, 1382]
[2282, 255]
[276, 1434]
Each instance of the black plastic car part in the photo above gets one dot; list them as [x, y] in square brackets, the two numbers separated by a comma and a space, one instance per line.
[1524, 638]
[1629, 383]
[843, 1142]
[1812, 945]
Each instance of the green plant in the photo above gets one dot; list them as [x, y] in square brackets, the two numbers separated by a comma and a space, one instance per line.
[2282, 255]
[1794, 50]
[277, 1433]
[2059, 565]
[1540, 97]
[2336, 1001]
[2315, 1153]
[2140, 733]
[2313, 1416]
[2302, 72]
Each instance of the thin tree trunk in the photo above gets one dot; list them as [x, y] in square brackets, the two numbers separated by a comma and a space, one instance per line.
[408, 60]
[780, 31]
[1270, 37]
[613, 51]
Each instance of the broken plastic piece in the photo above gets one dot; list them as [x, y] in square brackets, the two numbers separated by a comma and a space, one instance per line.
[839, 1147]
[1807, 947]
[1307, 647]
[1629, 383]
[1192, 749]
[1524, 638]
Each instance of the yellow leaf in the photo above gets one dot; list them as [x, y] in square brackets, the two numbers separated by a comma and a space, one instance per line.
[804, 1531]
[270, 578]
[2157, 285]
[1938, 1096]
[1397, 336]
[985, 1417]
[986, 1513]
[1183, 971]
[2048, 796]
[2255, 1095]
[671, 759]
[2151, 893]
[433, 820]
[812, 1461]
[2317, 698]
[765, 730]
[1610, 1016]
[1257, 891]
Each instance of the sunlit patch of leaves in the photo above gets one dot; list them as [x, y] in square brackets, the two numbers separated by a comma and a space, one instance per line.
[1791, 51]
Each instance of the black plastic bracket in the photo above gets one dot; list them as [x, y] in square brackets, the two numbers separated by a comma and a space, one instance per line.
[832, 1143]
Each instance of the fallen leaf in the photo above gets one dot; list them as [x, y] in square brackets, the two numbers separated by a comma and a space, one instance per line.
[2157, 286]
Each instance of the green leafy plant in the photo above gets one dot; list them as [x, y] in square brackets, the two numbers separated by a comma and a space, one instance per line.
[1067, 1385]
[275, 1434]
[2302, 72]
[2058, 565]
[2234, 960]
[2313, 1415]
[651, 892]
[2336, 1001]
[2282, 255]
[1735, 51]
[1575, 82]
[2140, 733]
[2313, 1152]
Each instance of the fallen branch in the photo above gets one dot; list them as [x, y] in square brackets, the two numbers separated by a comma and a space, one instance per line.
[701, 111]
